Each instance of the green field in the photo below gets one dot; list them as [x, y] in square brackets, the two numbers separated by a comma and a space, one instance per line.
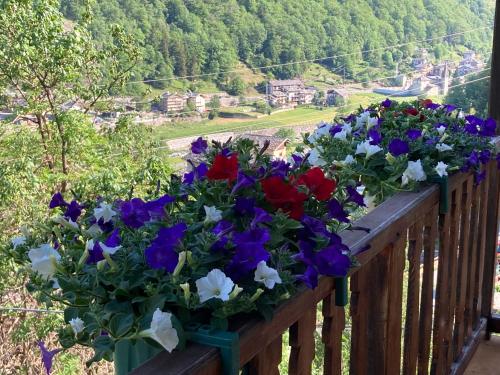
[299, 116]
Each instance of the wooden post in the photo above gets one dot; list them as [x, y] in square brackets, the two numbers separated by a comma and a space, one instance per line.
[494, 102]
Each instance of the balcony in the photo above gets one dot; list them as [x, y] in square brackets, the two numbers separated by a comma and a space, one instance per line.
[420, 299]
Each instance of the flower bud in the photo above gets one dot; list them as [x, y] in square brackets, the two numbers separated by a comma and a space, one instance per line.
[101, 265]
[189, 257]
[180, 263]
[390, 159]
[187, 291]
[256, 295]
[237, 290]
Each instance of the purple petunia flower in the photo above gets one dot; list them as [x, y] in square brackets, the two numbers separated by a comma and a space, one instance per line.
[261, 216]
[398, 147]
[332, 262]
[47, 356]
[386, 103]
[432, 141]
[414, 134]
[243, 181]
[279, 168]
[433, 106]
[156, 208]
[449, 108]
[198, 173]
[375, 137]
[134, 213]
[105, 227]
[114, 239]
[479, 177]
[57, 201]
[354, 196]
[335, 129]
[244, 206]
[221, 230]
[297, 159]
[161, 253]
[96, 254]
[309, 277]
[488, 128]
[249, 252]
[336, 211]
[226, 152]
[73, 210]
[199, 146]
[306, 252]
[485, 156]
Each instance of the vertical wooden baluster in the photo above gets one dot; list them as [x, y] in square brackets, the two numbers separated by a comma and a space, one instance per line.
[426, 306]
[268, 360]
[442, 297]
[333, 326]
[471, 277]
[483, 211]
[454, 241]
[302, 344]
[463, 270]
[415, 243]
[358, 363]
[395, 308]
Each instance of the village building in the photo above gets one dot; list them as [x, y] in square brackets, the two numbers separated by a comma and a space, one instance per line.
[421, 61]
[172, 102]
[289, 92]
[197, 101]
[336, 97]
[469, 64]
[277, 145]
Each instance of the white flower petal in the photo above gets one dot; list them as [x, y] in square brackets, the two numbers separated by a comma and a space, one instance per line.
[215, 285]
[77, 325]
[43, 260]
[266, 275]
[162, 330]
[104, 211]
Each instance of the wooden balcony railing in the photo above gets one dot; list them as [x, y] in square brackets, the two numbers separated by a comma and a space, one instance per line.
[416, 300]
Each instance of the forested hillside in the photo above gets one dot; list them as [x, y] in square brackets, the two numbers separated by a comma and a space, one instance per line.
[191, 37]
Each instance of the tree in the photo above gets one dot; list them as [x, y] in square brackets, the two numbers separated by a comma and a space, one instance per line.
[53, 67]
[214, 105]
[471, 97]
[236, 86]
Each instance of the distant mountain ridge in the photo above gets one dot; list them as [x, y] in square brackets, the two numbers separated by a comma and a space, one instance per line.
[192, 37]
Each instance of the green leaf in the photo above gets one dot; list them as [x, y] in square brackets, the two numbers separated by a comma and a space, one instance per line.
[120, 324]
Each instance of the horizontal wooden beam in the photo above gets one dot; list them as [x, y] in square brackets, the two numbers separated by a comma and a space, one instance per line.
[468, 351]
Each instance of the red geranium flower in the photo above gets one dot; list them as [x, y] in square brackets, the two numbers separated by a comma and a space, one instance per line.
[411, 111]
[284, 196]
[319, 186]
[224, 168]
[426, 103]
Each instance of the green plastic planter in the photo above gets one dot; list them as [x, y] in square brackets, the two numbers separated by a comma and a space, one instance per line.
[128, 356]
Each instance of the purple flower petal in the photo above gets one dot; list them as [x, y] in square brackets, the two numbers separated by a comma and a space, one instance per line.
[161, 253]
[243, 181]
[134, 213]
[375, 137]
[261, 216]
[414, 134]
[199, 146]
[47, 356]
[332, 262]
[337, 212]
[398, 147]
[386, 103]
[244, 206]
[354, 196]
[310, 277]
[73, 210]
[57, 201]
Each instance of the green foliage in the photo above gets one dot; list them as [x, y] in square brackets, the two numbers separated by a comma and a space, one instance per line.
[236, 86]
[192, 37]
[471, 97]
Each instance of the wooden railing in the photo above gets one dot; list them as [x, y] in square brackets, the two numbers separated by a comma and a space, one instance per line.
[416, 298]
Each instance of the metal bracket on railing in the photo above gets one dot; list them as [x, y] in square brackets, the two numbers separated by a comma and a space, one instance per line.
[227, 342]
[341, 291]
[443, 193]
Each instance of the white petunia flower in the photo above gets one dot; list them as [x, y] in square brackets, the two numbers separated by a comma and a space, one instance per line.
[266, 275]
[372, 121]
[315, 158]
[342, 135]
[442, 147]
[349, 159]
[441, 130]
[105, 212]
[414, 172]
[364, 119]
[461, 115]
[77, 325]
[18, 241]
[441, 169]
[347, 128]
[368, 149]
[323, 129]
[94, 230]
[65, 222]
[213, 215]
[361, 189]
[44, 260]
[109, 250]
[215, 285]
[369, 201]
[162, 330]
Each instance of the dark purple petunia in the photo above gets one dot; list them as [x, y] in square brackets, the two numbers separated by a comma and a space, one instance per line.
[47, 356]
[306, 252]
[479, 177]
[432, 141]
[375, 137]
[261, 216]
[244, 206]
[57, 201]
[473, 159]
[279, 168]
[488, 128]
[309, 277]
[226, 152]
[221, 230]
[105, 227]
[199, 146]
[95, 254]
[433, 106]
[134, 213]
[335, 129]
[354, 196]
[386, 103]
[243, 181]
[414, 134]
[297, 159]
[312, 228]
[73, 210]
[161, 253]
[198, 173]
[449, 108]
[398, 147]
[114, 239]
[249, 252]
[485, 156]
[156, 208]
[332, 262]
[337, 212]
